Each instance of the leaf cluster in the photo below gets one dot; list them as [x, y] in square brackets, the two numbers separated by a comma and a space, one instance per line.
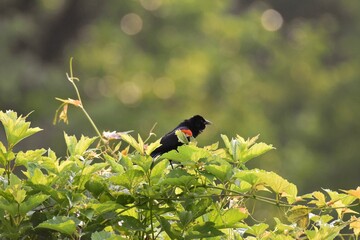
[111, 191]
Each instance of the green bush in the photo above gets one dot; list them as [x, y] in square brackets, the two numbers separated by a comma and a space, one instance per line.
[108, 187]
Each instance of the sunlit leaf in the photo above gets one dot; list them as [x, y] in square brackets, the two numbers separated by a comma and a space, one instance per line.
[78, 148]
[187, 154]
[129, 179]
[354, 192]
[31, 202]
[16, 128]
[115, 166]
[152, 146]
[132, 142]
[220, 168]
[320, 199]
[101, 208]
[355, 225]
[61, 224]
[300, 215]
[258, 229]
[231, 217]
[256, 150]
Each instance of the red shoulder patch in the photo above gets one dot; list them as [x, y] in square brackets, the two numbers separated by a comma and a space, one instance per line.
[187, 132]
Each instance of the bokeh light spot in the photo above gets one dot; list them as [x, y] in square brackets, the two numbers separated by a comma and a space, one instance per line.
[151, 5]
[131, 24]
[129, 93]
[271, 20]
[164, 88]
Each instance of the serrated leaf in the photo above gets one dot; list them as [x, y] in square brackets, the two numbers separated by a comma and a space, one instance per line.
[258, 229]
[115, 166]
[355, 225]
[353, 192]
[16, 128]
[231, 217]
[300, 215]
[320, 199]
[152, 146]
[78, 148]
[61, 224]
[255, 150]
[101, 208]
[187, 154]
[132, 142]
[220, 168]
[93, 168]
[35, 156]
[129, 179]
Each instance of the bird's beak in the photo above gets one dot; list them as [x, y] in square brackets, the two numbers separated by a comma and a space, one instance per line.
[207, 122]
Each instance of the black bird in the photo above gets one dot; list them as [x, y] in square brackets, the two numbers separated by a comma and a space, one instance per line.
[192, 127]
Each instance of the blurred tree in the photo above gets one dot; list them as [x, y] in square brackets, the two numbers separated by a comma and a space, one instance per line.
[285, 69]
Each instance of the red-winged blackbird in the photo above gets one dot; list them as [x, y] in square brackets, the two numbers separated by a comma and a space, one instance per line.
[192, 127]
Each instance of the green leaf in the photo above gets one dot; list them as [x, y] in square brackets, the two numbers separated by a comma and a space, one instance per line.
[89, 170]
[129, 179]
[132, 142]
[166, 226]
[16, 128]
[100, 235]
[185, 218]
[327, 232]
[61, 224]
[255, 151]
[220, 168]
[320, 199]
[32, 156]
[187, 154]
[3, 155]
[10, 207]
[179, 177]
[31, 202]
[204, 230]
[158, 171]
[39, 178]
[152, 146]
[230, 218]
[95, 187]
[226, 142]
[78, 148]
[131, 223]
[279, 185]
[299, 215]
[258, 229]
[115, 166]
[101, 208]
[143, 161]
[181, 137]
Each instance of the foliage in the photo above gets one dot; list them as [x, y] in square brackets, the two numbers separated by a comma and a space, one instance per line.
[107, 192]
[298, 86]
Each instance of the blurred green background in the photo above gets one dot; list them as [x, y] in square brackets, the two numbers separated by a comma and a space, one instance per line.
[286, 69]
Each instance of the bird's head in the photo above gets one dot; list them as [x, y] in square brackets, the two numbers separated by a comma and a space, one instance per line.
[197, 124]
